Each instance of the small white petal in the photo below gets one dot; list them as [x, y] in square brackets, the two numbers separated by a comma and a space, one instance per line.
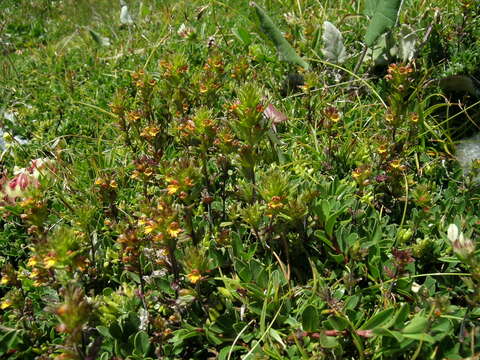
[452, 232]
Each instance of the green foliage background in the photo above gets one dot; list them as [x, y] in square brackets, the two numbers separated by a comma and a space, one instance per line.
[184, 217]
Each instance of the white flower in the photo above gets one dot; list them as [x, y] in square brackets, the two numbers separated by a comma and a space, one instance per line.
[462, 246]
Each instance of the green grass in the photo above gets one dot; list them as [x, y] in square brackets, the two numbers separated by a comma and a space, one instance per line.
[173, 221]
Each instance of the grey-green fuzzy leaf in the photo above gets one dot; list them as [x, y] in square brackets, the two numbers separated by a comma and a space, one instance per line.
[333, 48]
[384, 19]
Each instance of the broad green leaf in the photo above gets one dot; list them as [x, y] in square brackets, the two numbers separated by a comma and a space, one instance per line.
[337, 322]
[328, 341]
[142, 342]
[378, 319]
[310, 318]
[103, 330]
[417, 325]
[384, 18]
[333, 48]
[370, 7]
[285, 50]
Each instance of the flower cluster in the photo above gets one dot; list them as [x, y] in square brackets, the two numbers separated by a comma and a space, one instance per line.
[24, 180]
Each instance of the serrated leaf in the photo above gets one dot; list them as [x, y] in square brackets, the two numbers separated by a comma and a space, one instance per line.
[383, 19]
[408, 40]
[333, 48]
[284, 49]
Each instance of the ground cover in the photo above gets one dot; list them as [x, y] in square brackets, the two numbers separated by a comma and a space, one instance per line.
[226, 180]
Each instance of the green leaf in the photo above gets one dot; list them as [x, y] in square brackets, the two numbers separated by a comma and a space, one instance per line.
[370, 7]
[242, 35]
[277, 336]
[103, 330]
[333, 48]
[285, 50]
[328, 342]
[338, 323]
[116, 331]
[378, 319]
[421, 337]
[417, 325]
[100, 40]
[226, 351]
[385, 332]
[142, 343]
[384, 18]
[310, 318]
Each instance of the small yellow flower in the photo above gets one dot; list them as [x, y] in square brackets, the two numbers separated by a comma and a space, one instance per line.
[174, 229]
[173, 187]
[135, 174]
[34, 274]
[5, 304]
[49, 262]
[150, 227]
[382, 149]
[158, 238]
[414, 118]
[188, 181]
[275, 203]
[389, 117]
[99, 182]
[113, 184]
[194, 276]
[32, 261]
[5, 280]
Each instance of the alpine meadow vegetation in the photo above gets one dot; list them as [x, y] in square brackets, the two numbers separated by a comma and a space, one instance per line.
[212, 179]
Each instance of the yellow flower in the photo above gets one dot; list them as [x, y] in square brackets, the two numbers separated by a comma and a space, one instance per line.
[382, 149]
[4, 280]
[173, 187]
[5, 304]
[34, 274]
[49, 262]
[194, 276]
[174, 229]
[275, 203]
[113, 184]
[150, 227]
